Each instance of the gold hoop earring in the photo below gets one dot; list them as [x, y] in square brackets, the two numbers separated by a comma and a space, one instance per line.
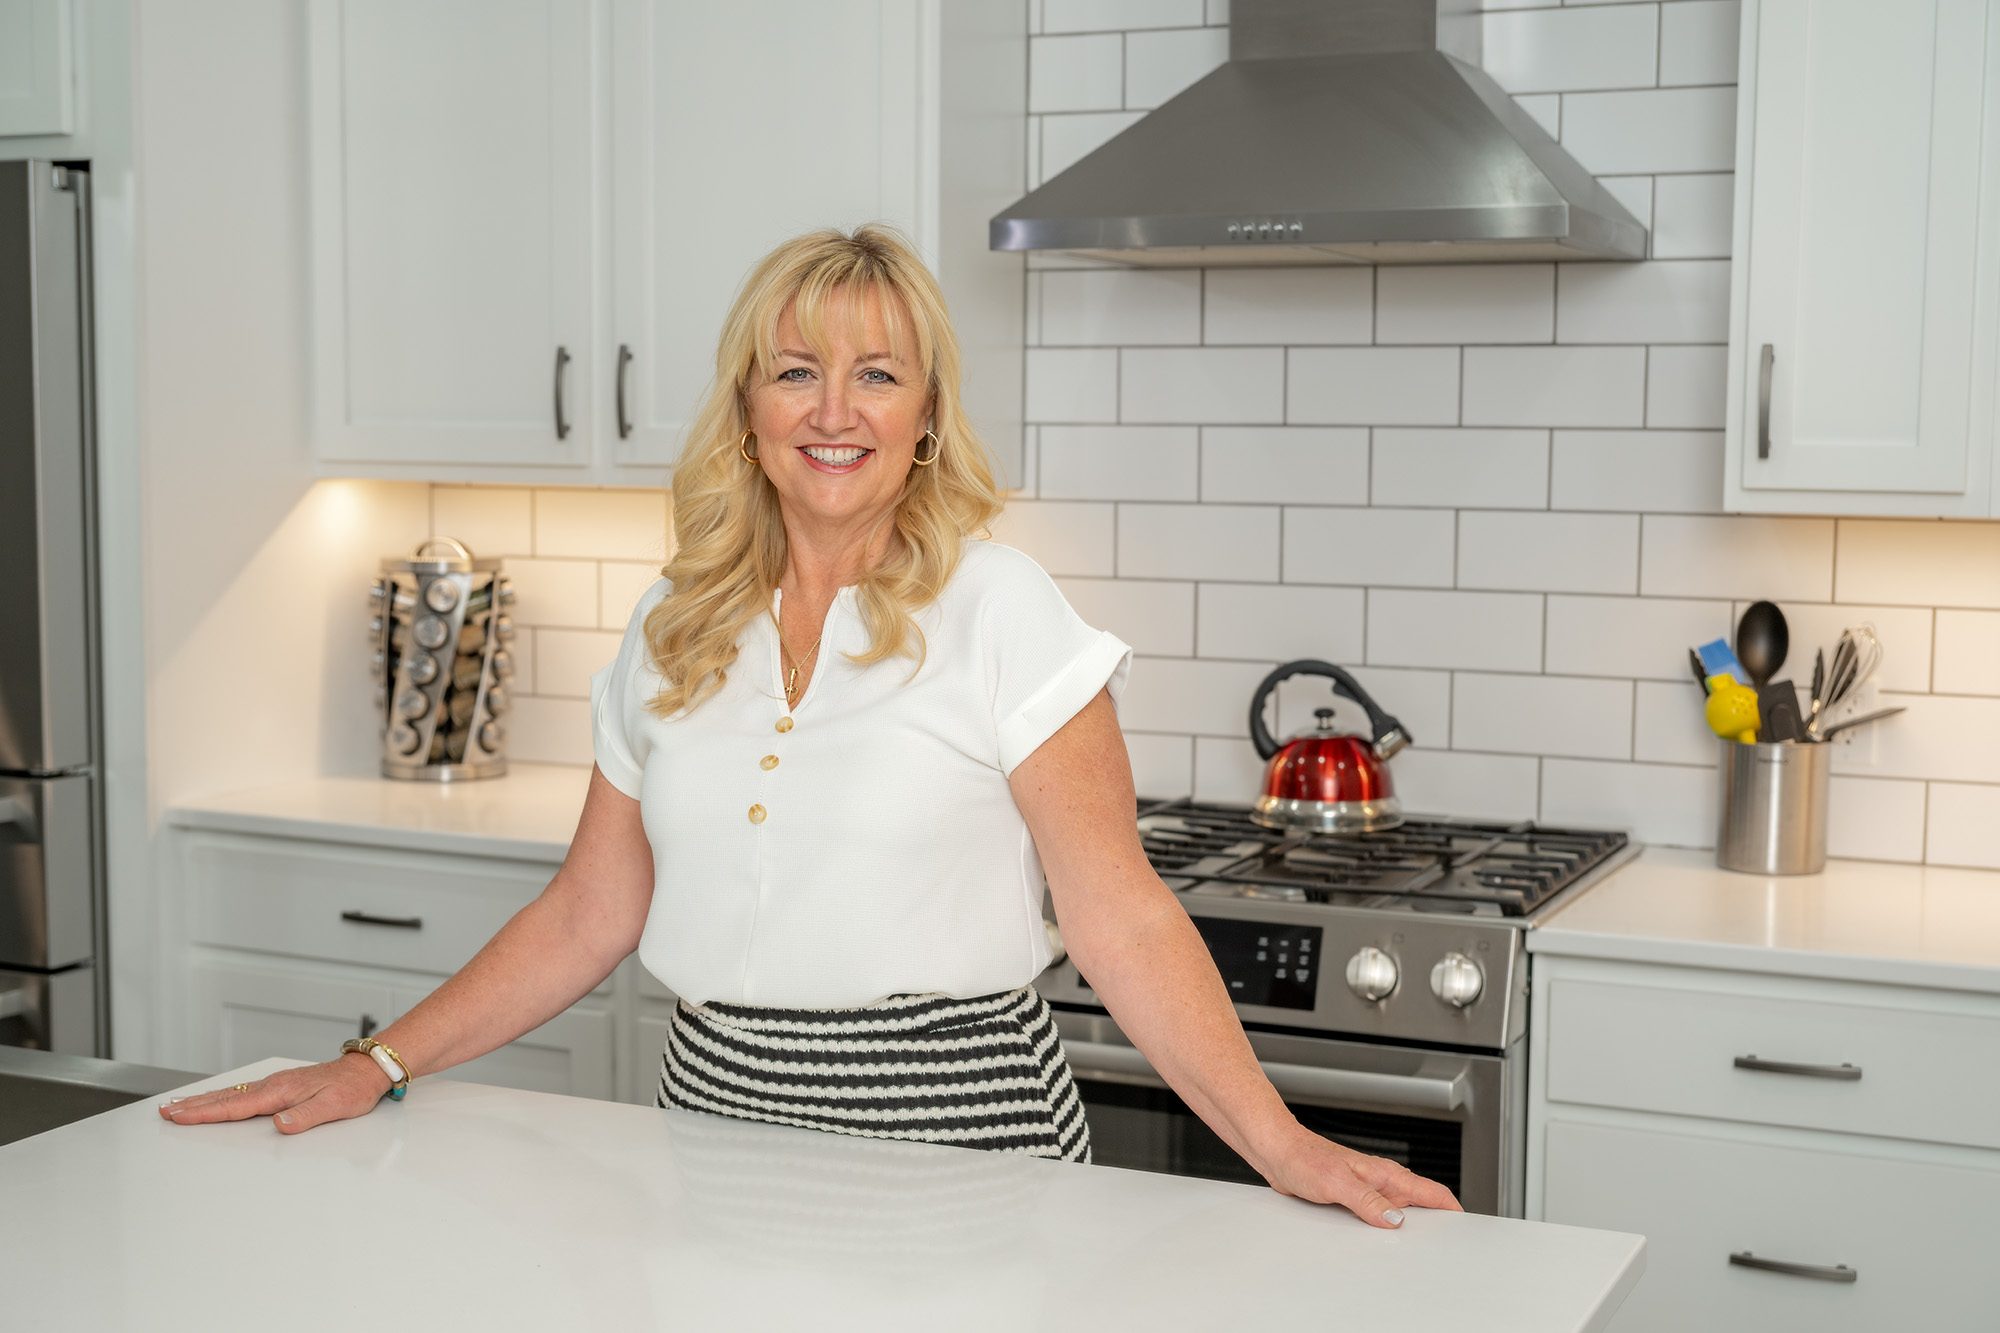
[937, 447]
[741, 448]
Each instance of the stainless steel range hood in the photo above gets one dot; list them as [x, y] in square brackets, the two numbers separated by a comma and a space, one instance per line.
[1355, 131]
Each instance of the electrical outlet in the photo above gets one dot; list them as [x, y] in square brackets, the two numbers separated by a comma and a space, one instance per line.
[1857, 744]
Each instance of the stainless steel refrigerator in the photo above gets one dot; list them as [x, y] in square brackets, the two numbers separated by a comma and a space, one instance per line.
[52, 918]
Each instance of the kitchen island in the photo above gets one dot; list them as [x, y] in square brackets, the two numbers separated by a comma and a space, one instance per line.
[478, 1207]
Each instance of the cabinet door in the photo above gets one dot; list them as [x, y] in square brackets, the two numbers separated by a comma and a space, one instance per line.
[451, 219]
[735, 127]
[1913, 1233]
[649, 1043]
[569, 1054]
[35, 81]
[240, 1014]
[1859, 367]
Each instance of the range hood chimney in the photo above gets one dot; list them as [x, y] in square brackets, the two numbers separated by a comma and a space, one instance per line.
[1358, 131]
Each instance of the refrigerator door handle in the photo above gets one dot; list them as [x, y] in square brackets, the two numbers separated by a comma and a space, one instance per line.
[17, 810]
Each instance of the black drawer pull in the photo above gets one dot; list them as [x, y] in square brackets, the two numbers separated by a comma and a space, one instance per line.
[1846, 1073]
[370, 919]
[1818, 1272]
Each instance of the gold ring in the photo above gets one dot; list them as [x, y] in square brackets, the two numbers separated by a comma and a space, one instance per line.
[240, 1087]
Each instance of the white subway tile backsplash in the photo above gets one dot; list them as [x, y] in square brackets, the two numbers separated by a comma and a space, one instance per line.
[1480, 631]
[1076, 73]
[1492, 469]
[1905, 632]
[1875, 819]
[1642, 637]
[1635, 193]
[1546, 108]
[1466, 303]
[1189, 696]
[1285, 464]
[1548, 552]
[565, 660]
[1669, 726]
[1467, 786]
[1118, 15]
[1653, 130]
[1162, 766]
[560, 593]
[630, 525]
[1419, 700]
[1274, 306]
[1227, 770]
[549, 731]
[1692, 216]
[1121, 306]
[1953, 738]
[1407, 548]
[1660, 803]
[1964, 826]
[1920, 562]
[1666, 301]
[1685, 387]
[1752, 557]
[1968, 653]
[1378, 386]
[1656, 471]
[1698, 41]
[1584, 719]
[622, 583]
[1072, 384]
[489, 520]
[1063, 538]
[1069, 138]
[1156, 619]
[1160, 64]
[1199, 541]
[1555, 386]
[1276, 623]
[1555, 50]
[1230, 385]
[1119, 463]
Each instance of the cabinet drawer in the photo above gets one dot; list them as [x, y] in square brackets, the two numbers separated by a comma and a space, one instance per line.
[1924, 1074]
[379, 908]
[1915, 1234]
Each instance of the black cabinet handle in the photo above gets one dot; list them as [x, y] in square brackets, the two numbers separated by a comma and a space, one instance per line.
[562, 375]
[367, 1026]
[1819, 1272]
[1764, 359]
[370, 919]
[1846, 1073]
[624, 420]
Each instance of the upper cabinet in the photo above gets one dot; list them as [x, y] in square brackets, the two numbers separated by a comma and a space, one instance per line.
[36, 73]
[1866, 288]
[530, 217]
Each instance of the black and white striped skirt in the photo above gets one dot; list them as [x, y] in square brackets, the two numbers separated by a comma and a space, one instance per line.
[987, 1072]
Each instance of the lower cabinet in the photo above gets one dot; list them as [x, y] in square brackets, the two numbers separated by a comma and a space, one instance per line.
[1799, 1154]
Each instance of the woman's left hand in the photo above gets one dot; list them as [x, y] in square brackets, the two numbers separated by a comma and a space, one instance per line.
[1374, 1189]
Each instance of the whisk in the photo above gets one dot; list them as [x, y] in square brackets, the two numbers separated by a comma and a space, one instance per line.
[1855, 657]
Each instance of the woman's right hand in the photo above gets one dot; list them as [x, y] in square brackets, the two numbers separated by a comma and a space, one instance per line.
[296, 1099]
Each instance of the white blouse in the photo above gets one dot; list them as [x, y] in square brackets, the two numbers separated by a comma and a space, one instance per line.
[865, 842]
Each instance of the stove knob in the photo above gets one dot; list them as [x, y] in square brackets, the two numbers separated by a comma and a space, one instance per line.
[1457, 980]
[1371, 974]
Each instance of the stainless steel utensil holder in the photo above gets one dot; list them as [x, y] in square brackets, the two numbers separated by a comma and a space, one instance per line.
[1773, 807]
[441, 664]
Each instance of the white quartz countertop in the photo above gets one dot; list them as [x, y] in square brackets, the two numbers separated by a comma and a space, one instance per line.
[529, 814]
[1854, 921]
[478, 1207]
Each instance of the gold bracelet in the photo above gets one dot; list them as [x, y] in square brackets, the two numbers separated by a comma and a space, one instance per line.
[398, 1086]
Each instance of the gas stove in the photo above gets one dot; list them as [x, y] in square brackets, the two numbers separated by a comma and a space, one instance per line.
[1413, 933]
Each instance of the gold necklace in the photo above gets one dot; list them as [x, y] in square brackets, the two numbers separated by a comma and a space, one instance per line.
[792, 677]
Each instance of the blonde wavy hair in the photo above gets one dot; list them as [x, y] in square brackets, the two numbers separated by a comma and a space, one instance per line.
[731, 547]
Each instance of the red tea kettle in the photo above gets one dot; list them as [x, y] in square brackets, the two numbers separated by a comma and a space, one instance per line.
[1321, 779]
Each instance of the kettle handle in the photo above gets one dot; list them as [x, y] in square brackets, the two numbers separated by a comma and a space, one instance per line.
[1381, 724]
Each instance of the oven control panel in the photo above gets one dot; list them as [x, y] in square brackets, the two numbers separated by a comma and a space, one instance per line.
[1263, 962]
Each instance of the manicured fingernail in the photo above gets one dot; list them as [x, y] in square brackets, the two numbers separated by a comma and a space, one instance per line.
[284, 1117]
[1394, 1217]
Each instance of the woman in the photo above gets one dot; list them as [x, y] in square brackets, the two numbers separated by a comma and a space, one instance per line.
[840, 743]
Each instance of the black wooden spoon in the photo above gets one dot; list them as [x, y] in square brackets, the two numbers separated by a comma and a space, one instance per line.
[1762, 640]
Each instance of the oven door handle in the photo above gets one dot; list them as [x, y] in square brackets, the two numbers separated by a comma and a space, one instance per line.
[1445, 1090]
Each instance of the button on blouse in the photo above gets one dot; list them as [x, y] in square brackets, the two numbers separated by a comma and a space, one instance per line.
[882, 850]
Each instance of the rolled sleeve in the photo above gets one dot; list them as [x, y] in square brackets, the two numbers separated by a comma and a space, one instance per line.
[1043, 662]
[618, 716]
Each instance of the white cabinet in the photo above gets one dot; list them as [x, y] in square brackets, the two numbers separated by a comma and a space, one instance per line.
[37, 72]
[1865, 357]
[571, 1053]
[452, 230]
[245, 1011]
[1798, 1154]
[529, 218]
